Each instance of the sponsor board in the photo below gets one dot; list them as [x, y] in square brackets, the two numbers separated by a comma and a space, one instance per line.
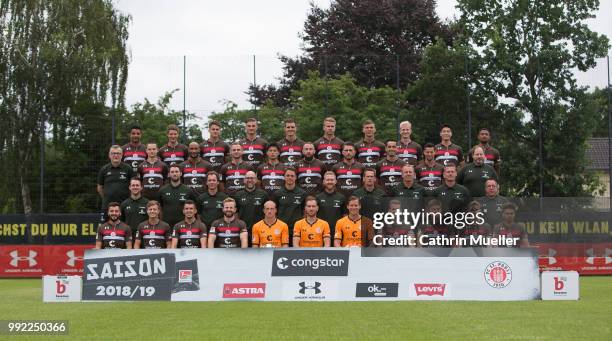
[498, 274]
[377, 290]
[430, 290]
[311, 290]
[310, 262]
[244, 290]
[61, 288]
[560, 285]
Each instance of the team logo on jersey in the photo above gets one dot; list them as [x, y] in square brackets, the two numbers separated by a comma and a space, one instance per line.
[498, 274]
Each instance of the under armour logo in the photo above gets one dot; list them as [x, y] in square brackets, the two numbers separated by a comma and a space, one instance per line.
[72, 258]
[31, 258]
[315, 287]
[592, 257]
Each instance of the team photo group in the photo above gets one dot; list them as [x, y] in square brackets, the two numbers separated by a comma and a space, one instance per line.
[326, 193]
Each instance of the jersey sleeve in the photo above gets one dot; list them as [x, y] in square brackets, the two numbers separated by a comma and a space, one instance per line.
[128, 231]
[99, 234]
[243, 227]
[175, 231]
[101, 176]
[203, 230]
[285, 234]
[338, 233]
[326, 230]
[297, 229]
[169, 230]
[213, 228]
[256, 234]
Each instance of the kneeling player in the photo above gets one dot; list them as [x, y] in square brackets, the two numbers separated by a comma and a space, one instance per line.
[311, 231]
[153, 233]
[190, 232]
[354, 229]
[270, 231]
[114, 234]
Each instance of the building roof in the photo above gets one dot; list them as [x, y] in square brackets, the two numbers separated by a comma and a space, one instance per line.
[597, 153]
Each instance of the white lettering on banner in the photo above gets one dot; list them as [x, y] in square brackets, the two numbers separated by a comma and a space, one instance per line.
[311, 263]
[126, 269]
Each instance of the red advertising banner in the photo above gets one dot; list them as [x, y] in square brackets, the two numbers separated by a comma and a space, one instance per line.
[39, 260]
[587, 259]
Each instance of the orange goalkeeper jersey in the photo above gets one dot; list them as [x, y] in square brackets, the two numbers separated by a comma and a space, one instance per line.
[311, 235]
[358, 232]
[274, 235]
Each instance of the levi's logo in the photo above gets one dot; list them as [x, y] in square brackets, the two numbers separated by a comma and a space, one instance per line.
[244, 290]
[430, 289]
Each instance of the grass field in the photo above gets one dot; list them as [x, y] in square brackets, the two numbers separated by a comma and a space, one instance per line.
[587, 319]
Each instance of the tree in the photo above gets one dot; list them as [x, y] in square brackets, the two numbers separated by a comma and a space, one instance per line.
[52, 54]
[526, 53]
[362, 38]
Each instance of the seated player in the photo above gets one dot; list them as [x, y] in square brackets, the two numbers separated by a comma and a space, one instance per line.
[311, 231]
[475, 229]
[395, 230]
[190, 232]
[270, 231]
[435, 226]
[153, 233]
[114, 234]
[509, 228]
[229, 231]
[354, 229]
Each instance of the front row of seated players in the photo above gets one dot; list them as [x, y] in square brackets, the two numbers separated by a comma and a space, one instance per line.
[352, 230]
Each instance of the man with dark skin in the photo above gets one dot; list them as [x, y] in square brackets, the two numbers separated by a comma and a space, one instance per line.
[429, 172]
[195, 169]
[492, 157]
[134, 152]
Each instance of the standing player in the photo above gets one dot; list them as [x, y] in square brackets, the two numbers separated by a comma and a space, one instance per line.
[492, 157]
[453, 196]
[173, 152]
[411, 195]
[509, 227]
[332, 204]
[354, 229]
[474, 175]
[371, 197]
[214, 150]
[251, 201]
[253, 147]
[290, 200]
[134, 208]
[134, 152]
[408, 150]
[233, 172]
[291, 146]
[310, 170]
[114, 234]
[448, 153]
[271, 173]
[173, 196]
[153, 233]
[348, 171]
[229, 231]
[389, 169]
[189, 233]
[114, 178]
[492, 203]
[429, 172]
[311, 231]
[329, 147]
[210, 202]
[369, 149]
[270, 231]
[153, 172]
[195, 169]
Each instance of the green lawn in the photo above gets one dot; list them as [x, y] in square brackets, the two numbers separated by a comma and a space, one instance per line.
[587, 319]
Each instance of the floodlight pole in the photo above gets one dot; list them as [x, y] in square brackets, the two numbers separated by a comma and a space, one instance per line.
[609, 135]
[184, 98]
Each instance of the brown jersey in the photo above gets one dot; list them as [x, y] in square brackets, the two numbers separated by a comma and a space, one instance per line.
[173, 155]
[134, 154]
[153, 236]
[492, 157]
[114, 236]
[429, 177]
[389, 173]
[272, 176]
[290, 152]
[448, 155]
[253, 151]
[228, 234]
[369, 153]
[310, 175]
[189, 235]
[153, 175]
[348, 176]
[214, 153]
[194, 174]
[233, 176]
[329, 151]
[409, 152]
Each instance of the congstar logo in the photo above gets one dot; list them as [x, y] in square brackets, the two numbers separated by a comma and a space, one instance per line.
[310, 263]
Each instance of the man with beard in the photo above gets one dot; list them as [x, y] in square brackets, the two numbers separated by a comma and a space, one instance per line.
[134, 208]
[173, 196]
[332, 204]
[329, 147]
[153, 172]
[509, 227]
[369, 149]
[474, 175]
[233, 172]
[371, 197]
[114, 234]
[429, 172]
[409, 151]
[492, 203]
[214, 150]
[173, 152]
[310, 170]
[291, 145]
[190, 233]
[492, 157]
[389, 169]
[253, 147]
[311, 231]
[453, 196]
[210, 202]
[153, 233]
[195, 169]
[348, 171]
[229, 231]
[270, 231]
[134, 152]
[114, 178]
[251, 201]
[448, 153]
[271, 173]
[290, 200]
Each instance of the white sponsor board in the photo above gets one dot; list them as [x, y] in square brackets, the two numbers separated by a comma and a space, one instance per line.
[62, 288]
[560, 285]
[332, 274]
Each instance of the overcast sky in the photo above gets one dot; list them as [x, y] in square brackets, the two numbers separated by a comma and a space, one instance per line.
[220, 38]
